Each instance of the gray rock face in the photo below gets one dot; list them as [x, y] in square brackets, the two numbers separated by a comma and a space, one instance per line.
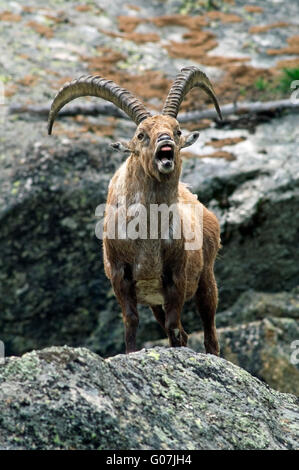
[50, 257]
[65, 398]
[252, 306]
[256, 199]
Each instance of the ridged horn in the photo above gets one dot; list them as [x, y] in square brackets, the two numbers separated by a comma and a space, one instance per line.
[98, 86]
[188, 78]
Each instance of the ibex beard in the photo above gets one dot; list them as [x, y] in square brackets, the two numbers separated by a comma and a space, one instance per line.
[161, 272]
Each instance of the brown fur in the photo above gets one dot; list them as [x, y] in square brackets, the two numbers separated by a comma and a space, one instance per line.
[160, 273]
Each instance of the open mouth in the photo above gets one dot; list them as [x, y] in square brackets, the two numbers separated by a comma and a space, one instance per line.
[165, 156]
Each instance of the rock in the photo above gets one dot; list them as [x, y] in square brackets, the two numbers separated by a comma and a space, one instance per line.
[255, 198]
[50, 255]
[258, 333]
[66, 398]
[253, 305]
[263, 348]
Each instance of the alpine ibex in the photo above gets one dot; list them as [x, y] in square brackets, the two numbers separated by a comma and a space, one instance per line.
[157, 271]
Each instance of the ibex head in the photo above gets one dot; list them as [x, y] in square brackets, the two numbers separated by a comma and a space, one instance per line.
[158, 139]
[157, 143]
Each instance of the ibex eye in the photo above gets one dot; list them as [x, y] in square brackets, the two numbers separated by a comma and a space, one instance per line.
[140, 136]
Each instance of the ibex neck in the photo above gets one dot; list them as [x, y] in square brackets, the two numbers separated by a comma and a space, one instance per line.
[148, 189]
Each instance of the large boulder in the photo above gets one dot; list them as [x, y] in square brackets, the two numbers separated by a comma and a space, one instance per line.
[65, 398]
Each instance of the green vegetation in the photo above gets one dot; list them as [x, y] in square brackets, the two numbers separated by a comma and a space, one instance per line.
[279, 86]
[196, 6]
[261, 84]
[4, 78]
[289, 75]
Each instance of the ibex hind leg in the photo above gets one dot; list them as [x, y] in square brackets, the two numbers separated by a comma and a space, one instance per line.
[179, 338]
[159, 314]
[206, 299]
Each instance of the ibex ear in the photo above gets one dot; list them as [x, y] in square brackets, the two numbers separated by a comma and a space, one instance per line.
[190, 139]
[122, 147]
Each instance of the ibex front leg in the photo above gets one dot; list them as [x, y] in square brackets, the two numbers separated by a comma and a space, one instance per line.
[174, 294]
[124, 289]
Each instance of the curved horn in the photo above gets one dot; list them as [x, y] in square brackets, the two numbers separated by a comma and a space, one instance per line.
[98, 86]
[188, 78]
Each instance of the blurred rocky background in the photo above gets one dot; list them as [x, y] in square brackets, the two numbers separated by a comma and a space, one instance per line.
[53, 290]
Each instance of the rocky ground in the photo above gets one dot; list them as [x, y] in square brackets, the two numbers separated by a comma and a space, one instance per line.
[52, 286]
[67, 398]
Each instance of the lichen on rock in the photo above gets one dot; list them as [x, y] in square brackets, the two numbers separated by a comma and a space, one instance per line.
[70, 398]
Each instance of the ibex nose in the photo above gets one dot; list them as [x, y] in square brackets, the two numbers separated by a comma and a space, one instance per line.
[164, 137]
